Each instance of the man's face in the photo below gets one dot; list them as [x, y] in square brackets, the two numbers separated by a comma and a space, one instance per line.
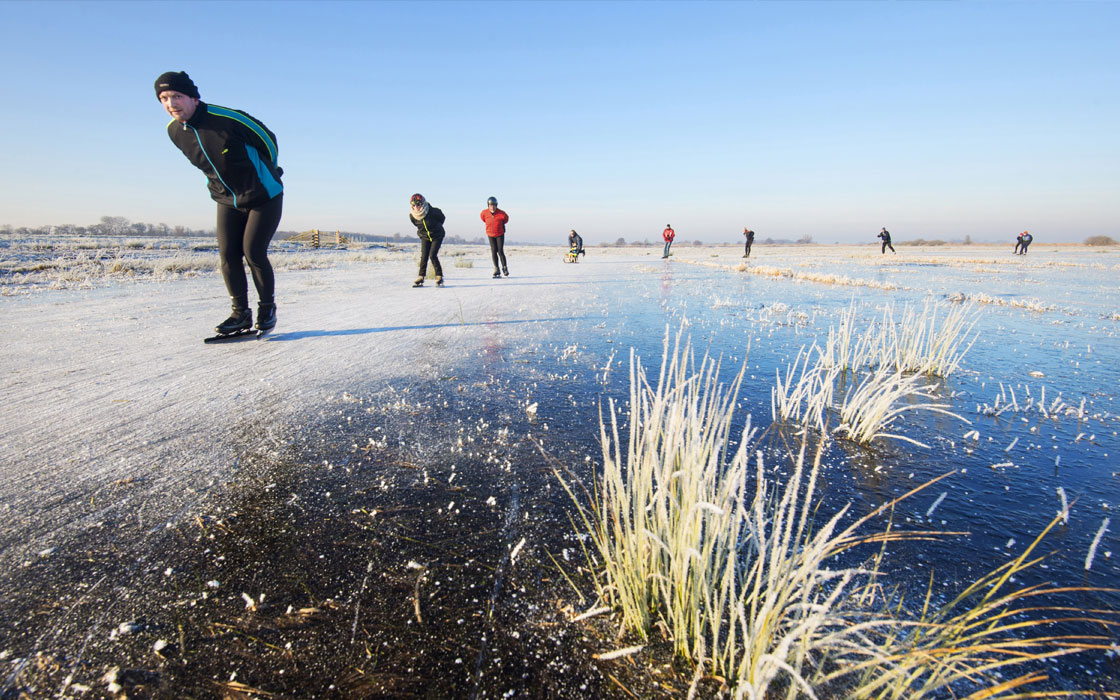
[492, 207]
[178, 105]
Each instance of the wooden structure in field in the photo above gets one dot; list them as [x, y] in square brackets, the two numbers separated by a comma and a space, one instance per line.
[317, 239]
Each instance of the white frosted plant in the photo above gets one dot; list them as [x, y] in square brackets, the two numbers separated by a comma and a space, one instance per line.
[887, 366]
[871, 407]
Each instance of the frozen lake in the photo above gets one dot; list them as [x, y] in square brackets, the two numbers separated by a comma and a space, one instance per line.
[385, 409]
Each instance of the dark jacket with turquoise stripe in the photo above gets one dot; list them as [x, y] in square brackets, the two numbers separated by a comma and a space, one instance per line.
[235, 151]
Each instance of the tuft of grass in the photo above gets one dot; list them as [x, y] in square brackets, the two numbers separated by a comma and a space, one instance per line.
[869, 408]
[738, 574]
[887, 365]
[734, 576]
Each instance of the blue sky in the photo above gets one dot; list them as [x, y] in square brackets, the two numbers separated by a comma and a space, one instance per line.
[936, 120]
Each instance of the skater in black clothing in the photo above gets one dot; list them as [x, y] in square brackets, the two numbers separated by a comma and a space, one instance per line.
[885, 235]
[237, 154]
[428, 221]
[749, 234]
[575, 243]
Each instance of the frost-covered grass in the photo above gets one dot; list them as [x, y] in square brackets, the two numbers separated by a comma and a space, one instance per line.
[28, 264]
[742, 577]
[886, 369]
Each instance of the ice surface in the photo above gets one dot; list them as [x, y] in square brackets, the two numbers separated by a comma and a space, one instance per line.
[115, 413]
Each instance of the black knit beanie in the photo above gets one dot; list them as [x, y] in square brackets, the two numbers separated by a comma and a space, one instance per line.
[178, 81]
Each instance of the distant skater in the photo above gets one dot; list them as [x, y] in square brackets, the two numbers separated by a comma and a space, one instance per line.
[668, 234]
[885, 235]
[1022, 241]
[496, 220]
[237, 154]
[749, 235]
[428, 221]
[575, 246]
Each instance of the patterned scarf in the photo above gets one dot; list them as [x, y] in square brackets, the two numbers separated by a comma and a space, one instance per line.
[419, 214]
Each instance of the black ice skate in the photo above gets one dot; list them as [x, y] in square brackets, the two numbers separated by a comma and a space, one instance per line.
[266, 317]
[238, 325]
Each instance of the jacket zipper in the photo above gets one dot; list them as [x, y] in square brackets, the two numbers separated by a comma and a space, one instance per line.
[215, 168]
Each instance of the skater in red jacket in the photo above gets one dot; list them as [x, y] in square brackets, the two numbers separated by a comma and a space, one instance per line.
[668, 234]
[495, 220]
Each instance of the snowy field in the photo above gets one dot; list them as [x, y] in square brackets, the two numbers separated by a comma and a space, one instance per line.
[425, 424]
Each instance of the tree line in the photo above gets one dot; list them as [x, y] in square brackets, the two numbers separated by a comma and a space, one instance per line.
[108, 226]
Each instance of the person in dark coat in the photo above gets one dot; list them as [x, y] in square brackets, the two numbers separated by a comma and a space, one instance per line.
[885, 235]
[749, 235]
[575, 243]
[238, 155]
[428, 221]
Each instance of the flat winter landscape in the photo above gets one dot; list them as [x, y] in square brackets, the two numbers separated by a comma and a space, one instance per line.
[366, 502]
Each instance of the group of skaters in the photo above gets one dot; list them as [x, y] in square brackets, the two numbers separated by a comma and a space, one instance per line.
[428, 221]
[1022, 241]
[238, 155]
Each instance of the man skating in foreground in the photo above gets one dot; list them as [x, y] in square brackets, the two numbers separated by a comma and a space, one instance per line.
[238, 155]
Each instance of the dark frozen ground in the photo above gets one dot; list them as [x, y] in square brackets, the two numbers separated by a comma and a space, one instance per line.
[338, 567]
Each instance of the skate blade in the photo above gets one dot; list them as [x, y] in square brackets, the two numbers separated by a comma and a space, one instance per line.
[247, 334]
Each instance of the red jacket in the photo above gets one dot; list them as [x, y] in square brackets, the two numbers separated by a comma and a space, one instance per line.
[495, 223]
[668, 234]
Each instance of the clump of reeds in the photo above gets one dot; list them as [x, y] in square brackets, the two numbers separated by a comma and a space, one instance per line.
[886, 369]
[805, 396]
[871, 407]
[734, 575]
[922, 344]
[741, 576]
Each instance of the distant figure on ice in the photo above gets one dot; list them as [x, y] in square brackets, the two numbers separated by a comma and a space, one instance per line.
[428, 221]
[1022, 241]
[668, 234]
[885, 235]
[237, 154]
[575, 245]
[496, 221]
[749, 234]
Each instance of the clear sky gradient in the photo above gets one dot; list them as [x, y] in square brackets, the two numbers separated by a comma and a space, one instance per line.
[936, 120]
